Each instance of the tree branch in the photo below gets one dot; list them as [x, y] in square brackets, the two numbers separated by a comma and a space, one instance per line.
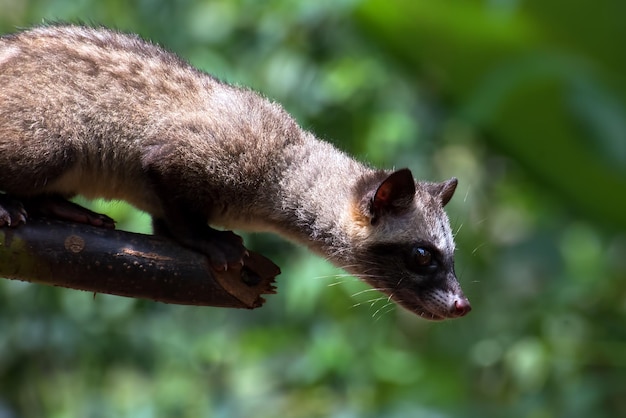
[127, 264]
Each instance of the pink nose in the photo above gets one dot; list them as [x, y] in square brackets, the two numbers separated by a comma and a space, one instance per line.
[461, 307]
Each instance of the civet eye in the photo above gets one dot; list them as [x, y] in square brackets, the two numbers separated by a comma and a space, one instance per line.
[423, 257]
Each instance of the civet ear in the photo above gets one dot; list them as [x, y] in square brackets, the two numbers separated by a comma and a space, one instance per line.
[442, 191]
[393, 194]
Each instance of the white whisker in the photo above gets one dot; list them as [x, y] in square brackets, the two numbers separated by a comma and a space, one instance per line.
[366, 291]
[372, 302]
[458, 230]
[475, 250]
[380, 310]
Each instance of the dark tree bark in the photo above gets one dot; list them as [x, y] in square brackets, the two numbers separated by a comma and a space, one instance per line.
[127, 264]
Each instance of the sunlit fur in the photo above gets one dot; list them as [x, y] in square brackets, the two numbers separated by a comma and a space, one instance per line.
[102, 114]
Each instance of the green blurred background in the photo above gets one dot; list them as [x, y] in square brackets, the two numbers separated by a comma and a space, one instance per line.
[523, 101]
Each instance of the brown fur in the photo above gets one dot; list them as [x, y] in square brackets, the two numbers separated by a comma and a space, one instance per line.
[102, 114]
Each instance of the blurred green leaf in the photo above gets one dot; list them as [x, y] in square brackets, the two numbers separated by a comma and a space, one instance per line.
[514, 76]
[523, 101]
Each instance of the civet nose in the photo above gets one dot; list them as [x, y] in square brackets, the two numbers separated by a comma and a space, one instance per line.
[461, 307]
